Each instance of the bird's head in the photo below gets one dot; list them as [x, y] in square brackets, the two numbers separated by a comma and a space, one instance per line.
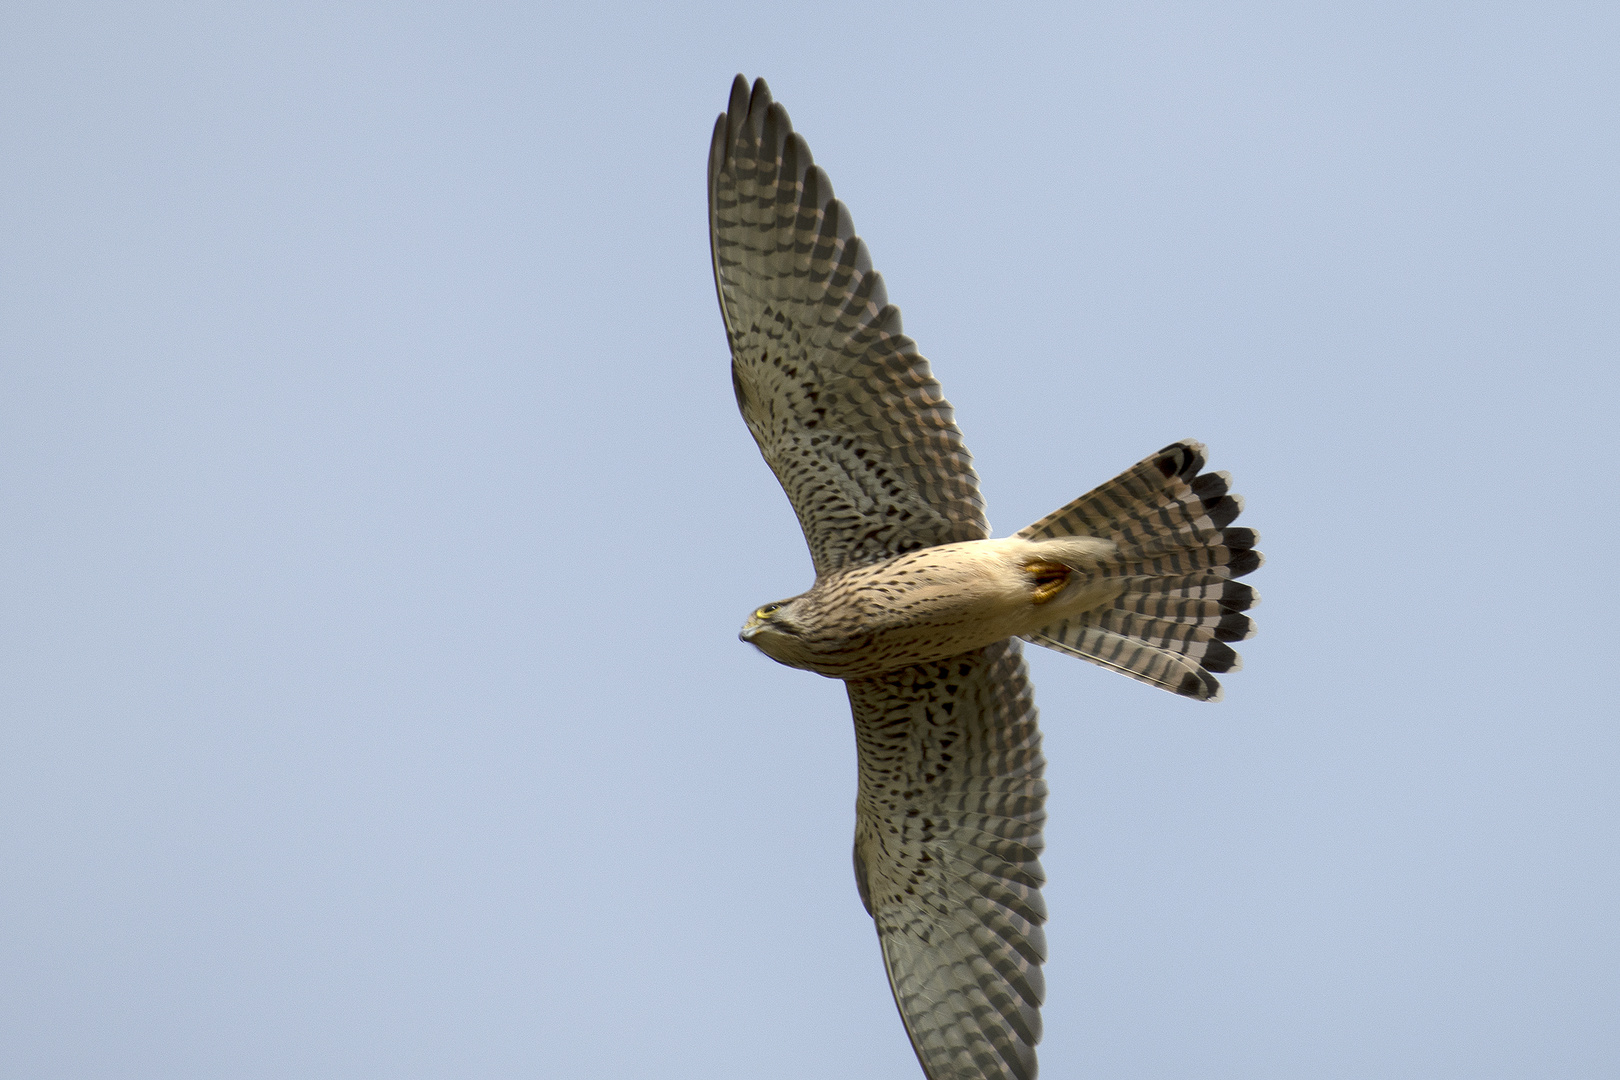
[776, 631]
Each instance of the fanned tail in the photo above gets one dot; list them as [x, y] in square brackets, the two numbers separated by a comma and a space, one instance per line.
[1178, 560]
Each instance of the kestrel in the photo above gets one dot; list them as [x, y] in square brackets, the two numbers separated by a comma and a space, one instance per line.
[920, 612]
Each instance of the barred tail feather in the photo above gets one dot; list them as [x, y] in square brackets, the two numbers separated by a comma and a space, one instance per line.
[1177, 560]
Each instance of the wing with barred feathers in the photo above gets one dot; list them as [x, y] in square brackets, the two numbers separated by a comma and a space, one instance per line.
[844, 409]
[947, 845]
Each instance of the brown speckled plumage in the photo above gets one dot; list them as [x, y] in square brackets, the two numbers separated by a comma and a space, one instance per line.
[920, 612]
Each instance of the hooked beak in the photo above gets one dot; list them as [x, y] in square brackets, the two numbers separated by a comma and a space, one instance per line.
[750, 628]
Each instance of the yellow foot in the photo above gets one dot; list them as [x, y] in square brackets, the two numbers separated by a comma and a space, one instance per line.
[1048, 578]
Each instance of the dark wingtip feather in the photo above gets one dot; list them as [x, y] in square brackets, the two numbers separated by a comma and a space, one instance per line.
[717, 149]
[1244, 562]
[1220, 657]
[750, 116]
[774, 133]
[796, 158]
[736, 109]
[872, 289]
[1223, 511]
[1212, 485]
[818, 190]
[1238, 596]
[1239, 539]
[1200, 685]
[759, 100]
[1182, 459]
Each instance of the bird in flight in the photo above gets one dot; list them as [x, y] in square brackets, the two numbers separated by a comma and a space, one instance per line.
[920, 612]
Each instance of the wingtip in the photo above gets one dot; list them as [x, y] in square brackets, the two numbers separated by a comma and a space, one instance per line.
[759, 103]
[718, 146]
[1182, 458]
[736, 114]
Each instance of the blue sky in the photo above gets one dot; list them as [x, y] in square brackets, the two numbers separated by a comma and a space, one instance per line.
[379, 524]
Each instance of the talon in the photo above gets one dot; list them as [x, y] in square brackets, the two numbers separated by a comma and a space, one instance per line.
[1050, 578]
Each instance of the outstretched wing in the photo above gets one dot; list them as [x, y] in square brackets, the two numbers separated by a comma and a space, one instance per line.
[842, 406]
[947, 845]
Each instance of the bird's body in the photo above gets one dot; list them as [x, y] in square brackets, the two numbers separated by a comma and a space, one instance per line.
[931, 603]
[921, 612]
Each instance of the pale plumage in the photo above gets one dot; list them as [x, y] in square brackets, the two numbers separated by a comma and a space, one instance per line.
[920, 612]
[933, 603]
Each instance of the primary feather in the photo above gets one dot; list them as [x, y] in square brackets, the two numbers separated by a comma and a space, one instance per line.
[845, 411]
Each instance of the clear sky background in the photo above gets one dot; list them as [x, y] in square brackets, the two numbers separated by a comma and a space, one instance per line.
[378, 523]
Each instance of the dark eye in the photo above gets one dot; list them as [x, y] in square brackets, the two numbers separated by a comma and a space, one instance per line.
[767, 611]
